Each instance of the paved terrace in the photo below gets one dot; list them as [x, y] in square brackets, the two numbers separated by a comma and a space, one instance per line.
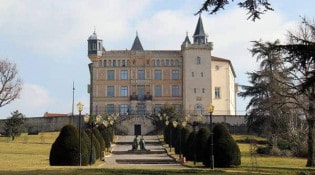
[156, 156]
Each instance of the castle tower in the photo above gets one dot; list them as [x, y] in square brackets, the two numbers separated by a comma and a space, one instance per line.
[95, 50]
[197, 71]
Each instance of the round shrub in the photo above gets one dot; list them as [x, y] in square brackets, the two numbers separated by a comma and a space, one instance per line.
[190, 147]
[85, 158]
[95, 146]
[106, 135]
[226, 151]
[166, 134]
[100, 139]
[202, 145]
[65, 149]
[183, 134]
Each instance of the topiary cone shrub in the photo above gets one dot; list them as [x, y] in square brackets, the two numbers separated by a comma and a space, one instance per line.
[87, 139]
[202, 145]
[85, 152]
[101, 141]
[95, 143]
[65, 149]
[190, 147]
[106, 136]
[226, 151]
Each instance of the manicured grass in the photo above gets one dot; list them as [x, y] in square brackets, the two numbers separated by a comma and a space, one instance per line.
[29, 154]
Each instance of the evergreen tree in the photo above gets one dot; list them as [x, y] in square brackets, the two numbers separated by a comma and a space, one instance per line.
[65, 149]
[101, 141]
[93, 148]
[226, 151]
[202, 145]
[12, 125]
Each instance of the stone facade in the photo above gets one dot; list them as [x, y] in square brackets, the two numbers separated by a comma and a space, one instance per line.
[139, 81]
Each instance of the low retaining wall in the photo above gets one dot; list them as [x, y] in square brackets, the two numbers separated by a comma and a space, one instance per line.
[236, 124]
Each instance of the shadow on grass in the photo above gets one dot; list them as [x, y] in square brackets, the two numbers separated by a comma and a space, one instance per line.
[113, 172]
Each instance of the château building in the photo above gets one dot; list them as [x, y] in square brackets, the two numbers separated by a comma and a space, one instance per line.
[139, 81]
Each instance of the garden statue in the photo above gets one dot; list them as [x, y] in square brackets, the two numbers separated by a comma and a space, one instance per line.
[142, 144]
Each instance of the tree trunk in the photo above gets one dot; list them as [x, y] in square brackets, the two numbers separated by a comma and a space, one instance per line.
[311, 143]
[311, 130]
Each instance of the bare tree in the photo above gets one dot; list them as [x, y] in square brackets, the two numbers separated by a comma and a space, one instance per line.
[10, 83]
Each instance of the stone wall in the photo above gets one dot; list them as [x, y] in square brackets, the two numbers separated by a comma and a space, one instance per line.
[45, 124]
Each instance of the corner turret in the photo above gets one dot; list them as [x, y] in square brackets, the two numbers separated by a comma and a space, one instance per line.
[95, 46]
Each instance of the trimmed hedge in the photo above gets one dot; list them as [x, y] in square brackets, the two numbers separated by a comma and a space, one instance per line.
[202, 145]
[106, 135]
[94, 146]
[226, 151]
[65, 149]
[101, 141]
[190, 147]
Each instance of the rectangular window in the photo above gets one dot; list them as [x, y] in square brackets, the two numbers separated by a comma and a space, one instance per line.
[157, 90]
[217, 92]
[141, 75]
[123, 109]
[141, 109]
[110, 75]
[157, 74]
[195, 90]
[110, 91]
[201, 74]
[175, 75]
[203, 90]
[175, 91]
[104, 63]
[192, 74]
[157, 62]
[123, 63]
[141, 92]
[167, 62]
[198, 60]
[110, 108]
[124, 91]
[114, 63]
[124, 74]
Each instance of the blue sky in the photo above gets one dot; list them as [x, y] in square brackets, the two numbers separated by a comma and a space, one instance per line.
[47, 39]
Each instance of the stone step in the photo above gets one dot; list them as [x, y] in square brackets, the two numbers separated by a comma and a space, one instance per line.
[146, 161]
[139, 152]
[130, 143]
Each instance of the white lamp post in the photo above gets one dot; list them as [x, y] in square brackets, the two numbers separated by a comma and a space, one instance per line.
[80, 109]
[210, 109]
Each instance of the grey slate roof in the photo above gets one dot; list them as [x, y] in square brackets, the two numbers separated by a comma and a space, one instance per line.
[93, 36]
[137, 44]
[187, 40]
[199, 28]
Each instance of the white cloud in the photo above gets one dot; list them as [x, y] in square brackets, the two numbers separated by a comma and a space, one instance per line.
[54, 29]
[34, 100]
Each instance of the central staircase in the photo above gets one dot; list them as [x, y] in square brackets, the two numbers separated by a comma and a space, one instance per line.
[154, 153]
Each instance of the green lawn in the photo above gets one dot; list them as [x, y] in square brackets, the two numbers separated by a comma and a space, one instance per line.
[29, 154]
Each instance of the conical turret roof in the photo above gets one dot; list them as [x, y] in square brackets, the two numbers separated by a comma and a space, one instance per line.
[199, 28]
[137, 44]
